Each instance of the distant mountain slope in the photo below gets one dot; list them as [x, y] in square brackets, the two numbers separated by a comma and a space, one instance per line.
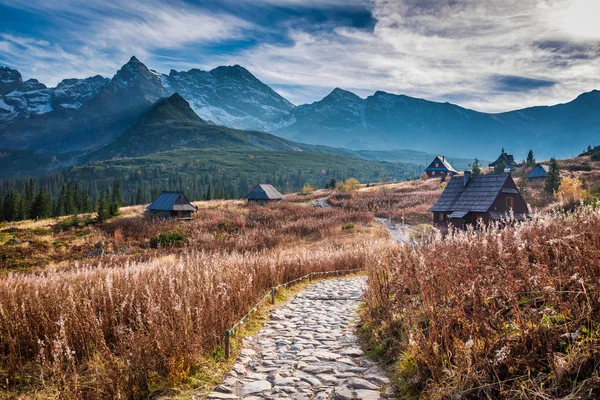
[231, 96]
[80, 115]
[387, 121]
[171, 124]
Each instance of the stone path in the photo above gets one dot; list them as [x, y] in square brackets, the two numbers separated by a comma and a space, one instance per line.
[308, 350]
[400, 232]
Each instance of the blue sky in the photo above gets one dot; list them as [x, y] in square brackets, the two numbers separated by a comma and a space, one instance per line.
[487, 55]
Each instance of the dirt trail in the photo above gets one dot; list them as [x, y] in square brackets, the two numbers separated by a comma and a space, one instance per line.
[308, 350]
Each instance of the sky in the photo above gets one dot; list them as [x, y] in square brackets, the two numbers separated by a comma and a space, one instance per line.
[488, 55]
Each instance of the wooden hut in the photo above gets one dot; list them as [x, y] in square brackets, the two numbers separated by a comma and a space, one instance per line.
[264, 194]
[506, 160]
[468, 199]
[538, 173]
[171, 205]
[440, 167]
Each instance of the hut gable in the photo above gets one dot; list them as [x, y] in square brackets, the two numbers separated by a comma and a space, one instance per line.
[469, 198]
[440, 167]
[539, 172]
[171, 204]
[264, 193]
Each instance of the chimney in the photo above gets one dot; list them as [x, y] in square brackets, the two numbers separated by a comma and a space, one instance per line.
[466, 178]
[443, 158]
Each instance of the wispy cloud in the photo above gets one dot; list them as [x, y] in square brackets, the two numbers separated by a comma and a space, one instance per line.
[487, 55]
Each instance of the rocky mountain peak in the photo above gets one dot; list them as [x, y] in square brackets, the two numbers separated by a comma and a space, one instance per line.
[339, 94]
[10, 79]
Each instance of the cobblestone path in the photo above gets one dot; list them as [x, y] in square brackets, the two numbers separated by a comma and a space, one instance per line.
[308, 350]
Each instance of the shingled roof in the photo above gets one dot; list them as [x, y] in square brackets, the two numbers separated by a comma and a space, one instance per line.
[264, 192]
[444, 162]
[171, 201]
[509, 160]
[477, 196]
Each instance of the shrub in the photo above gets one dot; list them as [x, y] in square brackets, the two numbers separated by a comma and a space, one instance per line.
[492, 313]
[351, 185]
[347, 226]
[307, 189]
[172, 238]
[581, 167]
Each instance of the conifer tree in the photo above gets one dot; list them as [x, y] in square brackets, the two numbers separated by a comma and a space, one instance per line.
[103, 212]
[553, 178]
[476, 168]
[530, 161]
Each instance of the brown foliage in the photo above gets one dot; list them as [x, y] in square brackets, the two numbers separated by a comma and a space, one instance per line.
[493, 313]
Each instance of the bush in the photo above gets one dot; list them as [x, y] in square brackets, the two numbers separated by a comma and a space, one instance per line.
[172, 238]
[581, 167]
[347, 226]
[351, 185]
[307, 189]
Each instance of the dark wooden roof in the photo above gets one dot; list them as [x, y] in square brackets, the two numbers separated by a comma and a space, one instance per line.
[445, 163]
[171, 201]
[264, 192]
[508, 159]
[477, 196]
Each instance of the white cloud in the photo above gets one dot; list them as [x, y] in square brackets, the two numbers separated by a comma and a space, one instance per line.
[466, 51]
[441, 50]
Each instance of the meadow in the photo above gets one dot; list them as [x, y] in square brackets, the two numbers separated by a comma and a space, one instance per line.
[492, 312]
[145, 321]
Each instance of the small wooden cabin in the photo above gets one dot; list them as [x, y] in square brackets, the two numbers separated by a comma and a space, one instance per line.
[468, 199]
[508, 160]
[264, 194]
[538, 173]
[171, 205]
[440, 167]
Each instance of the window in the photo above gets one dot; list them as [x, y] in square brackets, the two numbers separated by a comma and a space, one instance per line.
[441, 217]
[509, 203]
[437, 164]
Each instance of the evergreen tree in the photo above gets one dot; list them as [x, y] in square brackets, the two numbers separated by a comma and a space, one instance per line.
[139, 198]
[61, 202]
[499, 169]
[42, 205]
[208, 193]
[476, 168]
[115, 202]
[84, 202]
[530, 161]
[103, 212]
[553, 178]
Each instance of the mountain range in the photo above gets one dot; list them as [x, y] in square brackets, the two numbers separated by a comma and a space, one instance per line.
[87, 115]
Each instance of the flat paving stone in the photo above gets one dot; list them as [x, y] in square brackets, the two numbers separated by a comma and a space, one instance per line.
[308, 350]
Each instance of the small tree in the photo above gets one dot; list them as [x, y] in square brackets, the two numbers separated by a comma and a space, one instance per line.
[523, 184]
[307, 189]
[571, 191]
[115, 203]
[351, 185]
[530, 161]
[499, 169]
[553, 178]
[476, 167]
[103, 211]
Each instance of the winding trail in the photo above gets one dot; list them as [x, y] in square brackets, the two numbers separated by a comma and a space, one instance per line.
[308, 350]
[400, 232]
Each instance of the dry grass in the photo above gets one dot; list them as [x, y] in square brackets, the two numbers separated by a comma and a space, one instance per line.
[406, 202]
[493, 313]
[134, 324]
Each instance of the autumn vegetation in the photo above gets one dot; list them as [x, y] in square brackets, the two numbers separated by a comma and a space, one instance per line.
[493, 312]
